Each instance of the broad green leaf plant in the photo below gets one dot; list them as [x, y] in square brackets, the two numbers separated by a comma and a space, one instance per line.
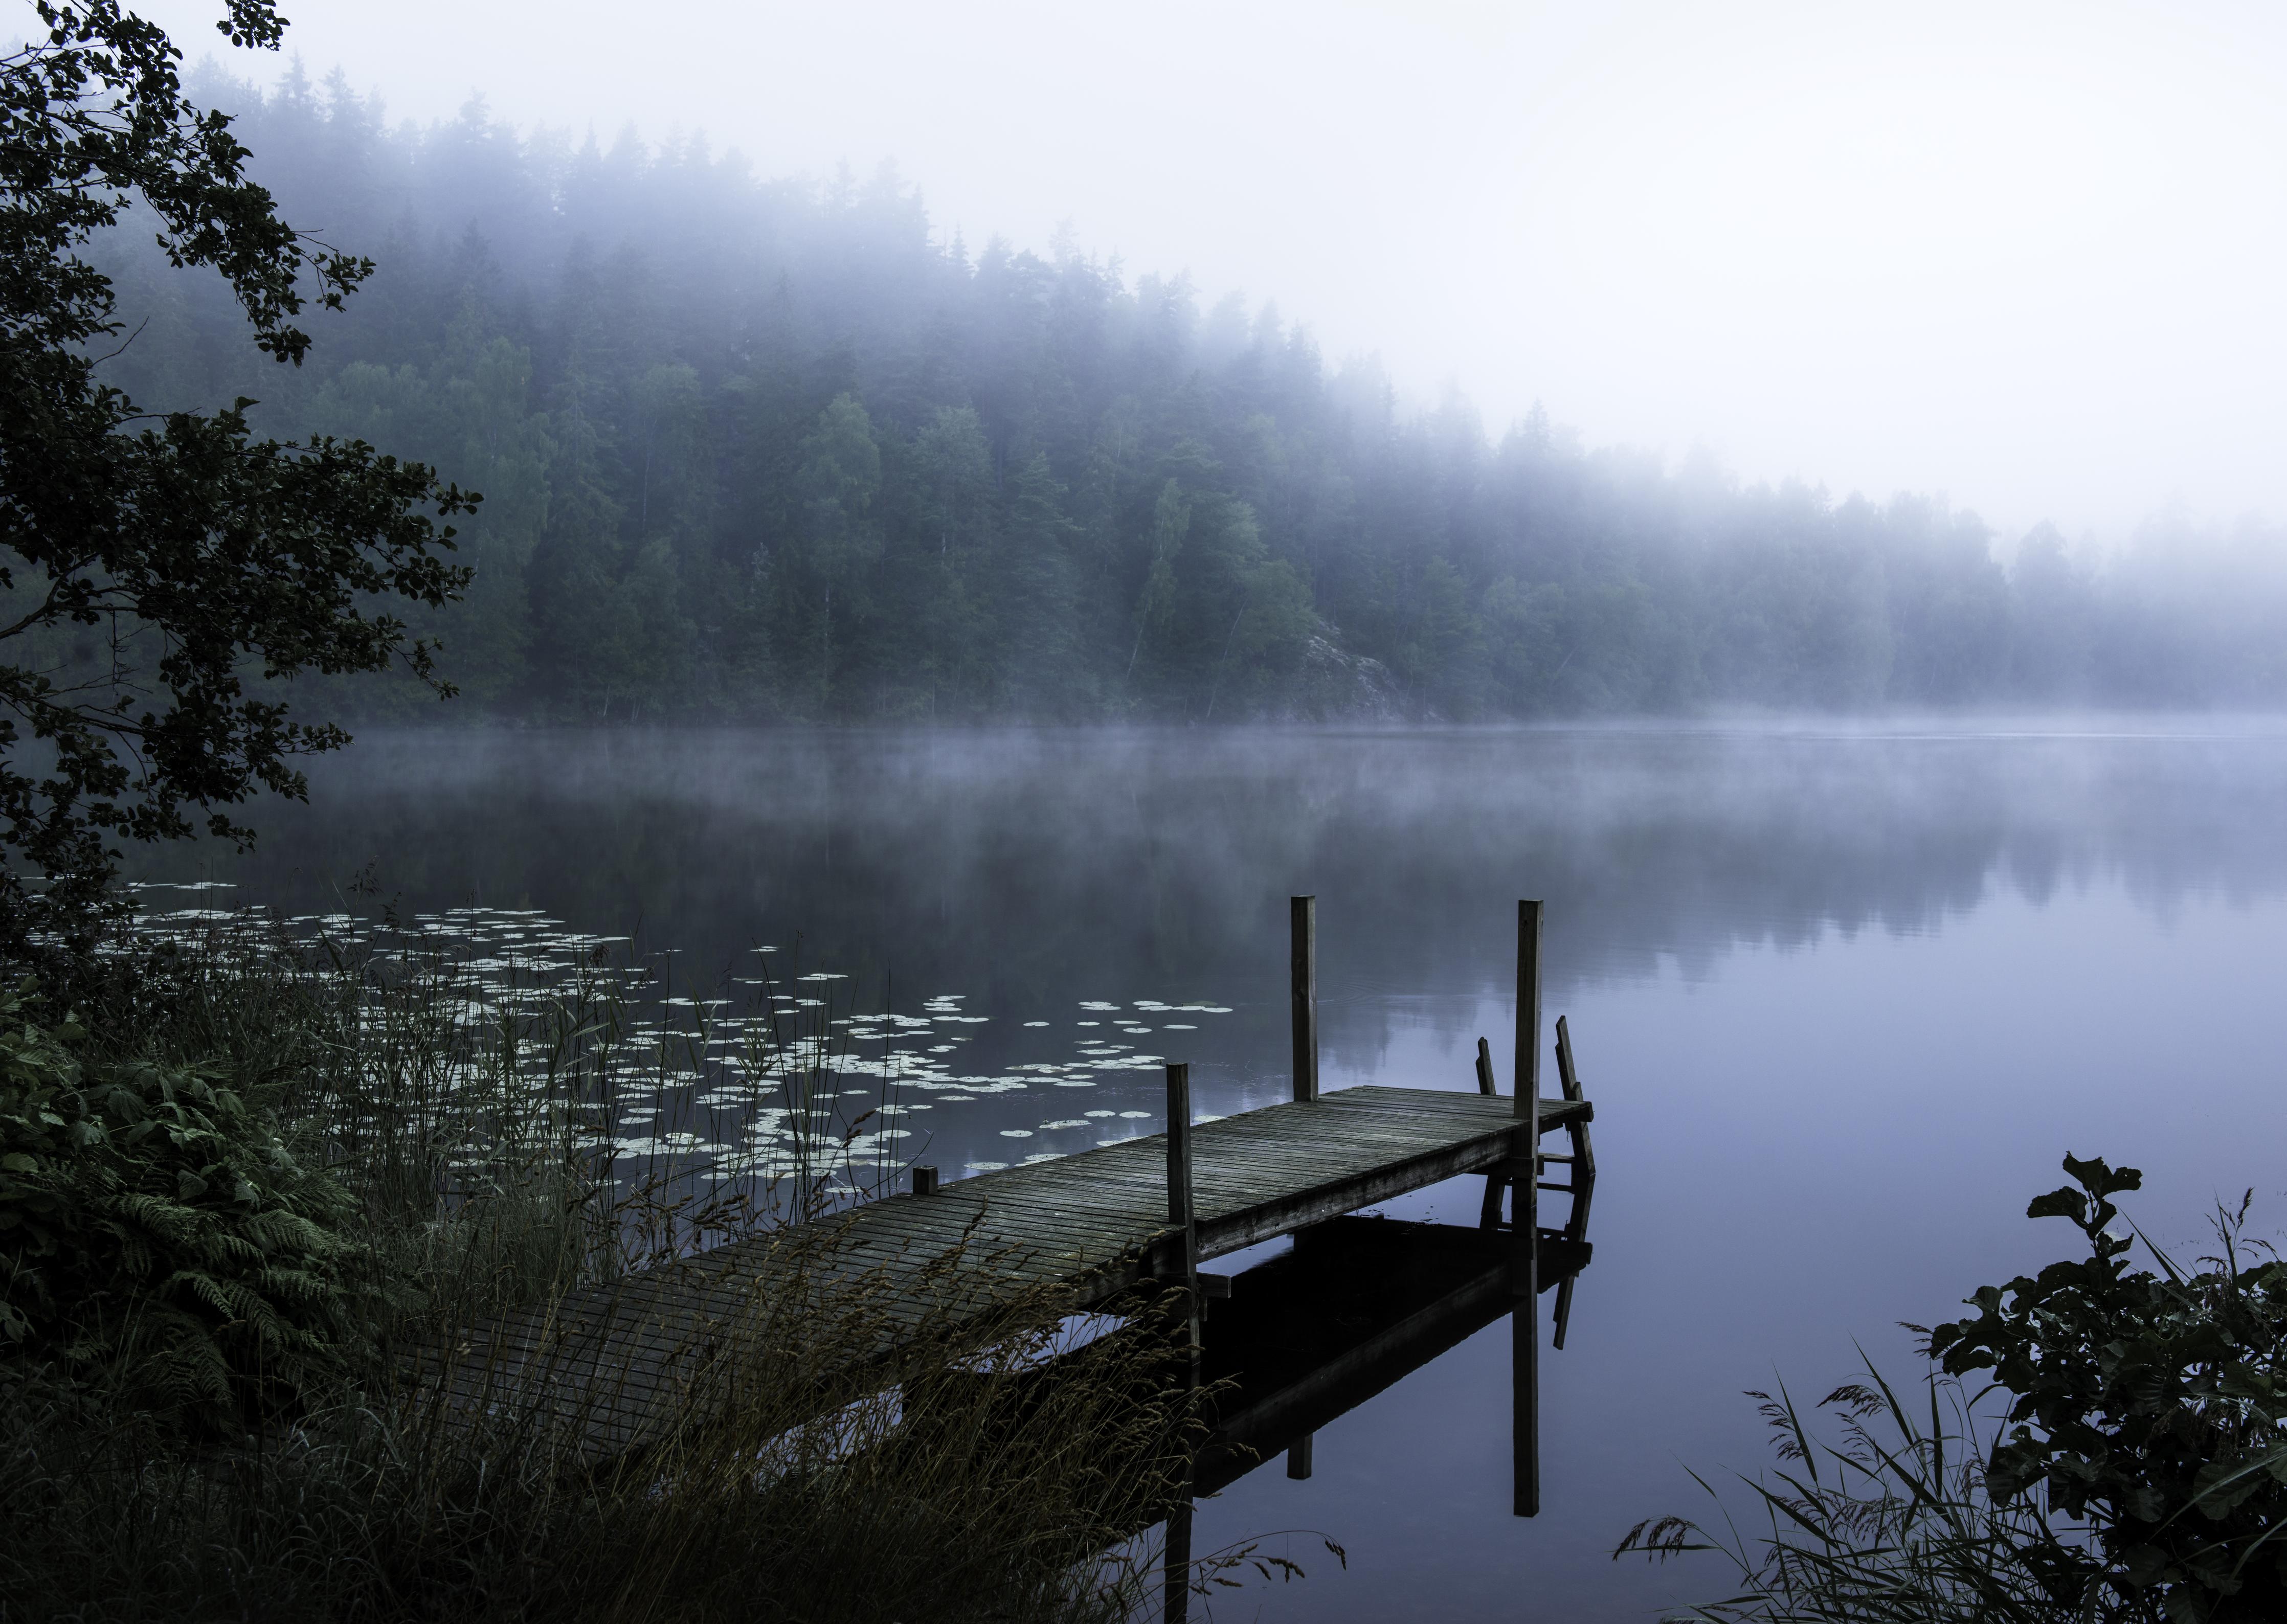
[2147, 1406]
[160, 1241]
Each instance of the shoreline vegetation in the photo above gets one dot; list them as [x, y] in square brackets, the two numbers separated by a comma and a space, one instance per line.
[2095, 1443]
[251, 1185]
[254, 1184]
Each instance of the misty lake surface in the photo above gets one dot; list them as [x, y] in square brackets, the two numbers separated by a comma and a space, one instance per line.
[1842, 996]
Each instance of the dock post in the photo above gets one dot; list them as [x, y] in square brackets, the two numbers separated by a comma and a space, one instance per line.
[1176, 1563]
[1584, 1173]
[1181, 1217]
[1489, 1210]
[1304, 920]
[1528, 1011]
[1524, 1213]
[1298, 1457]
[924, 1179]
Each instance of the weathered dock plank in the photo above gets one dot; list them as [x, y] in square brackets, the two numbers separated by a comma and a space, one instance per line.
[624, 1356]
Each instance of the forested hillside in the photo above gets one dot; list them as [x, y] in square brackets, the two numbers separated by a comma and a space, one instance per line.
[756, 450]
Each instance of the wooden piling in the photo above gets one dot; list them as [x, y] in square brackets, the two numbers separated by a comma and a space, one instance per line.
[1584, 1173]
[1303, 924]
[1179, 1145]
[1528, 1010]
[1183, 1218]
[1298, 1457]
[1524, 1213]
[924, 1179]
[1489, 1209]
[1176, 1564]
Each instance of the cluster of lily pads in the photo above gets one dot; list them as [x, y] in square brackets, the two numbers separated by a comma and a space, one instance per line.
[780, 1078]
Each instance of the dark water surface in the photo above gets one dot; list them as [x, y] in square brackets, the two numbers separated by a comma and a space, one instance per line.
[1842, 998]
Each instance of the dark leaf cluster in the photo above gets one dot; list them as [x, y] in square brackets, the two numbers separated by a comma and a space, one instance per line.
[160, 1243]
[2148, 1405]
[161, 573]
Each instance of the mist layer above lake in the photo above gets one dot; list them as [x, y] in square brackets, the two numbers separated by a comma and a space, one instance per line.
[1843, 998]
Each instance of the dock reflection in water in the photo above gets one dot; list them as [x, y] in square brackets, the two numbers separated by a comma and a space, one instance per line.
[1355, 1305]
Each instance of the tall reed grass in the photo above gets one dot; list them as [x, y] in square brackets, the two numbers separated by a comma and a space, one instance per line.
[480, 1127]
[2122, 1459]
[1883, 1515]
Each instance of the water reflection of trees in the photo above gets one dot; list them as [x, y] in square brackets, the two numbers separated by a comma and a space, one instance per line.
[1033, 870]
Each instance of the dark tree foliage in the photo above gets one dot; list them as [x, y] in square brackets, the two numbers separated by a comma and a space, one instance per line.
[160, 573]
[2151, 1407]
[757, 451]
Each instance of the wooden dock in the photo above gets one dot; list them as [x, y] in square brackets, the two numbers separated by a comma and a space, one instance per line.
[1094, 1217]
[1095, 1223]
[624, 1365]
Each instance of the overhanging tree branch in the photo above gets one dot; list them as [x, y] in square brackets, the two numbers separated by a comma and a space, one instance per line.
[236, 554]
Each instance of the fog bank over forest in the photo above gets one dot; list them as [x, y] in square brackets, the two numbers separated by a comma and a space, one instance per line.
[758, 451]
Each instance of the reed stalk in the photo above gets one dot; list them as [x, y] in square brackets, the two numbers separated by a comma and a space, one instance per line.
[990, 1471]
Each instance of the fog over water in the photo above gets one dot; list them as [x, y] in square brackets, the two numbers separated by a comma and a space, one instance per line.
[1843, 997]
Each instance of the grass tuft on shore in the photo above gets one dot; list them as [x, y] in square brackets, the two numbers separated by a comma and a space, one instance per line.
[253, 1192]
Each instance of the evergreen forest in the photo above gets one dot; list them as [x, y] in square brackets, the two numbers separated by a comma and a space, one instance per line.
[752, 449]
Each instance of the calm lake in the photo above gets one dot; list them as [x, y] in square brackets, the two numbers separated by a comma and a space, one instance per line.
[1842, 998]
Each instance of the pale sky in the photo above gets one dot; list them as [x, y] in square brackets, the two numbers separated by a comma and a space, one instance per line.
[2030, 256]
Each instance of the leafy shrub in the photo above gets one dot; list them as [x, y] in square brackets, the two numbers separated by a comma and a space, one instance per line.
[2149, 1406]
[159, 1241]
[2139, 1472]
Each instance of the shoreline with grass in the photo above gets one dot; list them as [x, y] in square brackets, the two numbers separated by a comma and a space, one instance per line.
[248, 1179]
[251, 1181]
[2096, 1442]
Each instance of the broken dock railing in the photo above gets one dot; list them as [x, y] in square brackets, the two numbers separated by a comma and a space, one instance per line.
[625, 1363]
